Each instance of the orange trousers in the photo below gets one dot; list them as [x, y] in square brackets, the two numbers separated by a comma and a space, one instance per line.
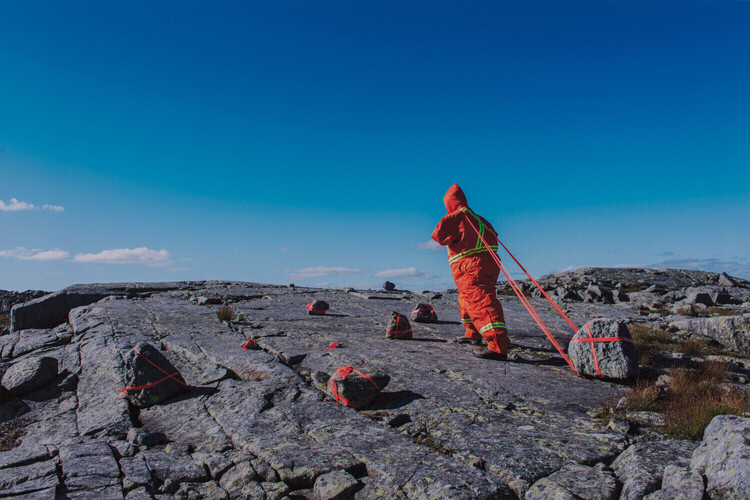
[481, 312]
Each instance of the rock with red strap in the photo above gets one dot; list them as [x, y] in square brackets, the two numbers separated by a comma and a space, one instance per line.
[603, 348]
[150, 378]
[398, 327]
[356, 386]
[424, 313]
[317, 307]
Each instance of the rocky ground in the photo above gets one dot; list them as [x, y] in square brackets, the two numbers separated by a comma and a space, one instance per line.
[261, 423]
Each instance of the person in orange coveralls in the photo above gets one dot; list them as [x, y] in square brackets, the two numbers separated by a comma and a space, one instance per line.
[475, 273]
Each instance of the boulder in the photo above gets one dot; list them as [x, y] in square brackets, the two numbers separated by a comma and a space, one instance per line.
[424, 313]
[152, 373]
[388, 286]
[724, 457]
[726, 280]
[617, 359]
[595, 293]
[29, 375]
[350, 387]
[701, 295]
[640, 468]
[575, 482]
[733, 332]
[679, 483]
[335, 485]
[398, 327]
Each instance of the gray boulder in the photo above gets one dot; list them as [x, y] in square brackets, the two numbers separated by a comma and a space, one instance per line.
[575, 482]
[335, 485]
[149, 370]
[679, 483]
[733, 332]
[700, 295]
[388, 286]
[352, 389]
[617, 359]
[726, 280]
[596, 293]
[398, 327]
[724, 457]
[640, 468]
[29, 375]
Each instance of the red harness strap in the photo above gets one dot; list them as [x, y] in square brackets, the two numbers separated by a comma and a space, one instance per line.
[343, 372]
[333, 346]
[173, 376]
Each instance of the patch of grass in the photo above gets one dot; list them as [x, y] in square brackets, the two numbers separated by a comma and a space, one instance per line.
[653, 341]
[4, 319]
[11, 432]
[225, 313]
[688, 311]
[722, 311]
[637, 287]
[691, 399]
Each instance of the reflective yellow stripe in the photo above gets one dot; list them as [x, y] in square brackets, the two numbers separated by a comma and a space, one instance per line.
[478, 248]
[492, 326]
[466, 320]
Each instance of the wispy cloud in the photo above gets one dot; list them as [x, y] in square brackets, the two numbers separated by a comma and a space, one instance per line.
[141, 255]
[431, 245]
[14, 205]
[320, 271]
[34, 254]
[737, 267]
[409, 273]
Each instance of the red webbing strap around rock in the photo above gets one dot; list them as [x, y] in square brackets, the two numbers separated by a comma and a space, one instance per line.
[332, 346]
[151, 384]
[604, 339]
[250, 342]
[535, 316]
[343, 372]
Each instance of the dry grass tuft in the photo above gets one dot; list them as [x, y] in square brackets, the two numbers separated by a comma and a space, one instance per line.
[225, 313]
[11, 432]
[722, 311]
[4, 319]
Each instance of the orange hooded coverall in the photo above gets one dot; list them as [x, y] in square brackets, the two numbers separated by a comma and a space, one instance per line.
[474, 270]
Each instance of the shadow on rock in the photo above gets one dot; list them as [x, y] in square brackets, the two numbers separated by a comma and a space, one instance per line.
[393, 400]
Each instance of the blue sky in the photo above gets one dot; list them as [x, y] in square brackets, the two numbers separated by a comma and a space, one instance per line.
[312, 142]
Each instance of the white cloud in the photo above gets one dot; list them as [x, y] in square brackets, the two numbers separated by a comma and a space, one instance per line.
[34, 254]
[320, 271]
[409, 273]
[430, 244]
[14, 206]
[141, 255]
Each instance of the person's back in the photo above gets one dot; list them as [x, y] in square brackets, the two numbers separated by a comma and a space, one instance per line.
[475, 273]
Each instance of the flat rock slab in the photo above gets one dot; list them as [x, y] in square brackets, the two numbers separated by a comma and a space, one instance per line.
[447, 425]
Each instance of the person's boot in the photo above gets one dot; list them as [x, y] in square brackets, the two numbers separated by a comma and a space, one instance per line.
[484, 353]
[463, 339]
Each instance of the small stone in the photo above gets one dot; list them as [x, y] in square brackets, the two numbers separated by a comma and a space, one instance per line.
[388, 286]
[424, 313]
[141, 437]
[29, 375]
[352, 389]
[317, 307]
[144, 366]
[398, 327]
[203, 301]
[619, 425]
[335, 485]
[650, 418]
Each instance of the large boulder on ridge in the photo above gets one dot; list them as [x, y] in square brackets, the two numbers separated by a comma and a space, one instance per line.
[617, 359]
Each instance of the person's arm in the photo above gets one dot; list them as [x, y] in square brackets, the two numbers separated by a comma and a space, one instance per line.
[448, 231]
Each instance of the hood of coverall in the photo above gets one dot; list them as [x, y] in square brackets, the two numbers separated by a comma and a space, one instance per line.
[454, 199]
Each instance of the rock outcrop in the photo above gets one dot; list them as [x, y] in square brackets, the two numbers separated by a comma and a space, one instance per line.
[262, 423]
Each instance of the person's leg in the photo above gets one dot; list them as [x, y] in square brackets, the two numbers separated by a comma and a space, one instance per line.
[481, 303]
[470, 332]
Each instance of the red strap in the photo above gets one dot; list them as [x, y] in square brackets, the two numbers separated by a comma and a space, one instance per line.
[333, 346]
[151, 384]
[250, 342]
[524, 300]
[343, 372]
[398, 330]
